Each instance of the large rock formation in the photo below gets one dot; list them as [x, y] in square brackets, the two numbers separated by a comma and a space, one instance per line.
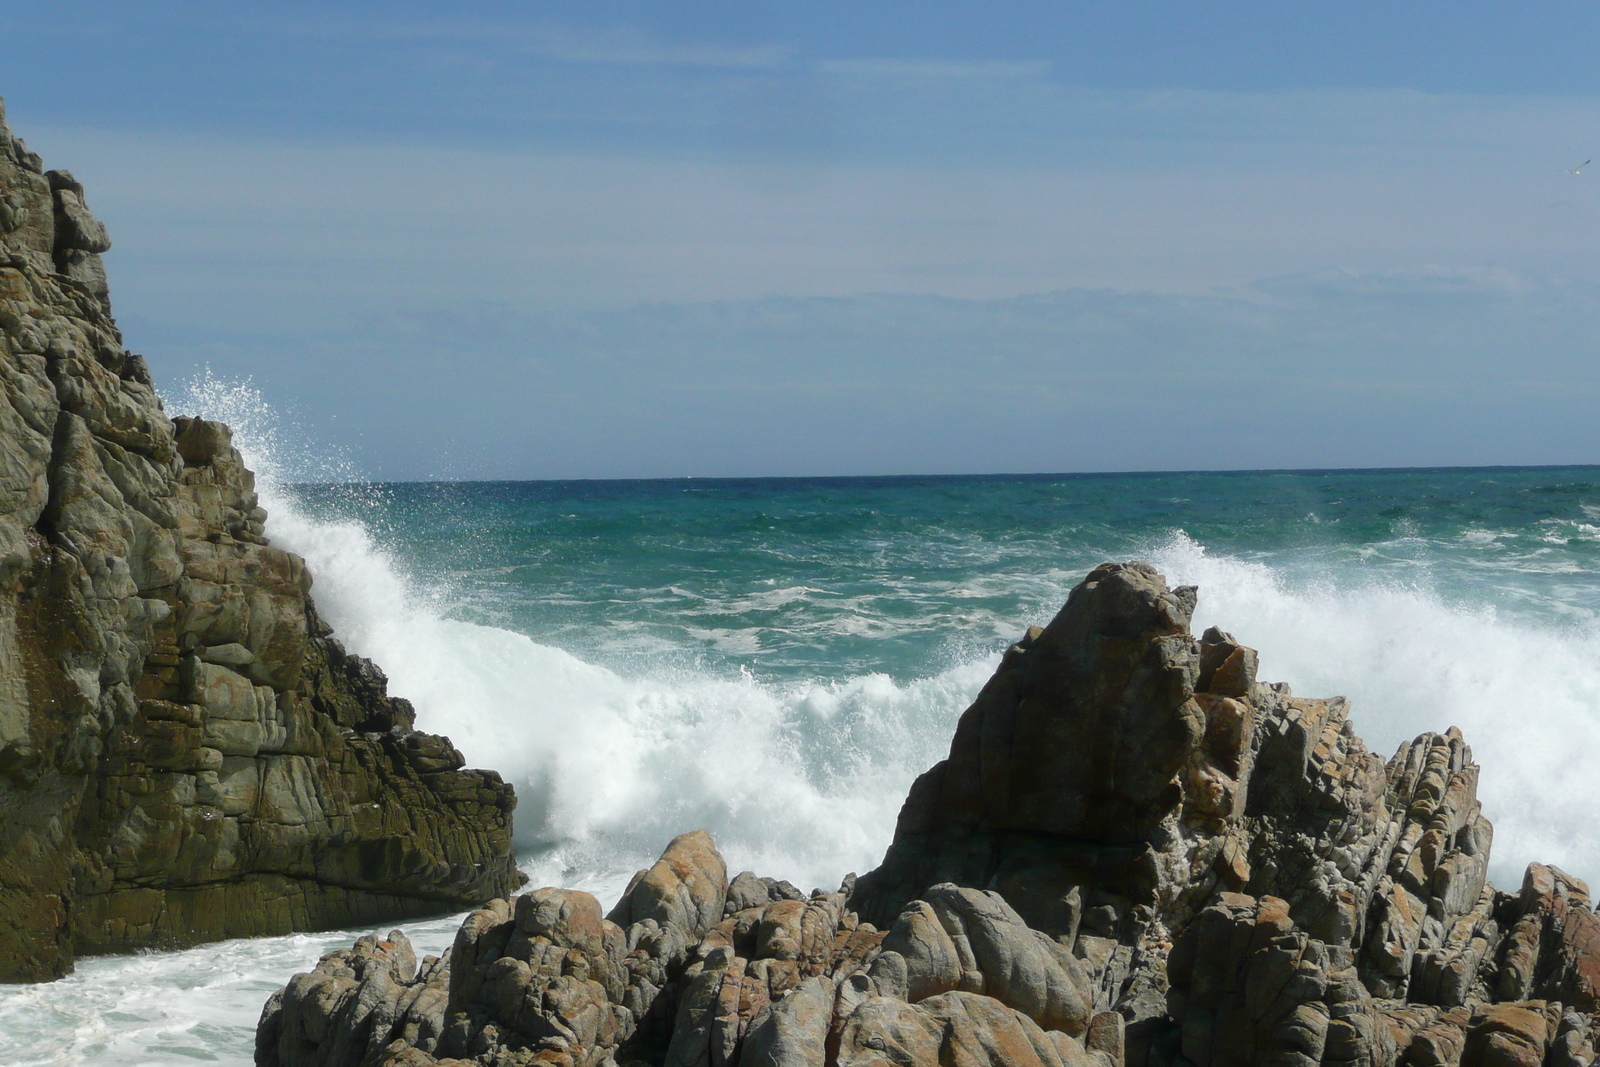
[185, 751]
[1135, 854]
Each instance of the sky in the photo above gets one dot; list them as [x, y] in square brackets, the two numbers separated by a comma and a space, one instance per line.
[540, 240]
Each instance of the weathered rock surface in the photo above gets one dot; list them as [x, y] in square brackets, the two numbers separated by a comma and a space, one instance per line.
[774, 980]
[1135, 854]
[186, 753]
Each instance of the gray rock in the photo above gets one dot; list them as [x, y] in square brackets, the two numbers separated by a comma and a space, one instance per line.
[969, 940]
[353, 1005]
[955, 1027]
[795, 1032]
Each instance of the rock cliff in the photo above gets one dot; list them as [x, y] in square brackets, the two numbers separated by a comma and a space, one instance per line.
[186, 753]
[1135, 854]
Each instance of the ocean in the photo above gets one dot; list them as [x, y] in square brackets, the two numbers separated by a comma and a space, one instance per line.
[775, 659]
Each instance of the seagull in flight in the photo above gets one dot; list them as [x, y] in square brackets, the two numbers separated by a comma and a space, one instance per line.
[1580, 166]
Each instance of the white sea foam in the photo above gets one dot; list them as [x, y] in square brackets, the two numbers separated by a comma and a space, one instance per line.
[631, 761]
[608, 767]
[1525, 694]
[161, 1008]
[801, 782]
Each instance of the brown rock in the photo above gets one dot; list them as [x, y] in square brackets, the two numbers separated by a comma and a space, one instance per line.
[687, 887]
[1506, 1035]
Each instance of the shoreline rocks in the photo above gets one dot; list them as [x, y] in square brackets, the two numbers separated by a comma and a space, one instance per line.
[186, 751]
[1135, 855]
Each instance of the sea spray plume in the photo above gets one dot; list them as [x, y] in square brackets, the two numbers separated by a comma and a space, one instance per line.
[1410, 656]
[281, 450]
[1135, 853]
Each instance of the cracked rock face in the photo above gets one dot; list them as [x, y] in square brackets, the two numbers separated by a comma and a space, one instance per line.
[1136, 854]
[186, 753]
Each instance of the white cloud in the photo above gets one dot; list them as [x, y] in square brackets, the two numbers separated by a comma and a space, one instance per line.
[611, 228]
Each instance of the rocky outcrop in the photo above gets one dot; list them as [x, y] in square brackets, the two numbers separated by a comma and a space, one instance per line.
[1135, 854]
[687, 974]
[186, 753]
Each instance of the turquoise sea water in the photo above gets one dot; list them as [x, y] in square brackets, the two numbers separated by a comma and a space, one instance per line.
[831, 577]
[698, 646]
[775, 660]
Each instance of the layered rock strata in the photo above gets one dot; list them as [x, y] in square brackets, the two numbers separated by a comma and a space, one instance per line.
[1135, 854]
[186, 752]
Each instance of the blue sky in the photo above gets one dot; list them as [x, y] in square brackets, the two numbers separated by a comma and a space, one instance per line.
[599, 240]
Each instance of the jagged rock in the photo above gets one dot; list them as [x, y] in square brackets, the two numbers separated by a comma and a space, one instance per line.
[750, 891]
[795, 1032]
[1251, 987]
[1066, 770]
[186, 753]
[355, 1005]
[544, 978]
[1135, 855]
[1552, 941]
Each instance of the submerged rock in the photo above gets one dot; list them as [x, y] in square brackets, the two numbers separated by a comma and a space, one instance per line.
[1135, 854]
[186, 752]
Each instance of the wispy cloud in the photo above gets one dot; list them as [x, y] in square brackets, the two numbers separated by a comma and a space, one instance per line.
[933, 69]
[619, 45]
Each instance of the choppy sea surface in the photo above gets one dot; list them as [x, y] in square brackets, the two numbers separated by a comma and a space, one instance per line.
[775, 660]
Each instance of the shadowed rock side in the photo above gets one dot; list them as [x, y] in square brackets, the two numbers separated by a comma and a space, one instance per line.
[186, 754]
[1135, 854]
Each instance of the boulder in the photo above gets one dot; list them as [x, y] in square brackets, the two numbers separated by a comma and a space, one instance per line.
[956, 1027]
[686, 888]
[971, 940]
[354, 1005]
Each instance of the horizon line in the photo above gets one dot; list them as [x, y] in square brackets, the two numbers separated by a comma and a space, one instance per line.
[996, 475]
